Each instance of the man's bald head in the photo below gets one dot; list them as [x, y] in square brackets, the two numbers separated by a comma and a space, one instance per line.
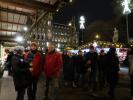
[51, 47]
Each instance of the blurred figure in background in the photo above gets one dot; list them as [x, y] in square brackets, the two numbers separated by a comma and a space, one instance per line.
[130, 61]
[69, 70]
[52, 69]
[80, 69]
[112, 62]
[102, 69]
[8, 65]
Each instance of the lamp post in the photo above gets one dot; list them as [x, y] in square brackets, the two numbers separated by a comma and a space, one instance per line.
[126, 11]
[82, 27]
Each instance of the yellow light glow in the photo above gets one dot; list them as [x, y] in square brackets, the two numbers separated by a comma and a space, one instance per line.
[70, 1]
[69, 24]
[97, 36]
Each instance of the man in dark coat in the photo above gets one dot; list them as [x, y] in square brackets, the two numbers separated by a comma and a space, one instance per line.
[112, 62]
[20, 73]
[91, 62]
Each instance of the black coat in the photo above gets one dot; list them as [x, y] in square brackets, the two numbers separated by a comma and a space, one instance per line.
[9, 60]
[101, 62]
[93, 57]
[21, 74]
[80, 64]
[68, 68]
[112, 63]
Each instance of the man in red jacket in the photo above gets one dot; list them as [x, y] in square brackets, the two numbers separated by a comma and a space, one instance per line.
[52, 66]
[34, 61]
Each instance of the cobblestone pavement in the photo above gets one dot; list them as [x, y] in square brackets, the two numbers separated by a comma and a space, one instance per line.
[122, 91]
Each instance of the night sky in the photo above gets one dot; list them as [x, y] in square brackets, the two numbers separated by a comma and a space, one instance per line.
[91, 9]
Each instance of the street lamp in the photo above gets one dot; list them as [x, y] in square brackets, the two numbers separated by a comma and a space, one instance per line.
[69, 24]
[25, 28]
[126, 11]
[82, 26]
[97, 36]
[19, 39]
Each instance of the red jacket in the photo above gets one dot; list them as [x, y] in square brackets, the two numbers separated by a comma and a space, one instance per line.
[52, 65]
[36, 61]
[36, 64]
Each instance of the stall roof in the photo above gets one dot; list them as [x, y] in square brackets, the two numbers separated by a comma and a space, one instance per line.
[14, 15]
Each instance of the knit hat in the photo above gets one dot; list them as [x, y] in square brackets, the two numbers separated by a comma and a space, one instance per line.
[18, 48]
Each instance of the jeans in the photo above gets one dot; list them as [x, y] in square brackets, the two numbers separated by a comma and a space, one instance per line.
[20, 94]
[80, 79]
[102, 78]
[52, 88]
[32, 89]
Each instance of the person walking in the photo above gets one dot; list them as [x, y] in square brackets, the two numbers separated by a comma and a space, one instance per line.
[52, 69]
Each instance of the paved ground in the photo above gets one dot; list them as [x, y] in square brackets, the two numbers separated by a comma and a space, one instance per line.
[122, 91]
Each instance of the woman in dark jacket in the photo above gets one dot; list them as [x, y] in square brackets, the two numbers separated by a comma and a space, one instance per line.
[80, 68]
[130, 63]
[20, 73]
[112, 70]
[69, 69]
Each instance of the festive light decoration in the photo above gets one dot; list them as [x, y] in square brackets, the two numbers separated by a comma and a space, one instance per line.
[125, 4]
[82, 22]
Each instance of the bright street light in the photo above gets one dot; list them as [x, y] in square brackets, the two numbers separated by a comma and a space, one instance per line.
[47, 44]
[69, 24]
[25, 28]
[126, 11]
[97, 36]
[82, 26]
[125, 5]
[58, 45]
[19, 39]
[82, 22]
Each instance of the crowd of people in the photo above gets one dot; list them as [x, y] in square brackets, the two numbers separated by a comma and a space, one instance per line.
[89, 70]
[92, 70]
